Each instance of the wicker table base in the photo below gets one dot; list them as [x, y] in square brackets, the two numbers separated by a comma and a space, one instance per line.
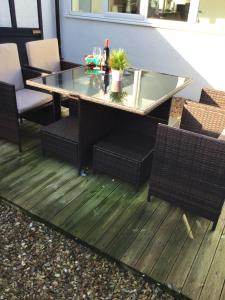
[125, 155]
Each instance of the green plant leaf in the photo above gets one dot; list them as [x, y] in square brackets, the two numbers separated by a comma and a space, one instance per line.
[118, 59]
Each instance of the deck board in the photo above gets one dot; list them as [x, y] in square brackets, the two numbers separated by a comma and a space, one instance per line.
[154, 238]
[171, 251]
[195, 280]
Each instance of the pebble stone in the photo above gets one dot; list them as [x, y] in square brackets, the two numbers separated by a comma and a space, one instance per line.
[37, 262]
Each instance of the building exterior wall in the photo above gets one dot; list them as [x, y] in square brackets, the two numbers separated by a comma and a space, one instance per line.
[196, 54]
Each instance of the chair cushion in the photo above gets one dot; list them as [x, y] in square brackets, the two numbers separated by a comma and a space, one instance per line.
[29, 99]
[44, 54]
[222, 136]
[10, 69]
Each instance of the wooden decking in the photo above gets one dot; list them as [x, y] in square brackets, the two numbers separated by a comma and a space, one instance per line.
[154, 238]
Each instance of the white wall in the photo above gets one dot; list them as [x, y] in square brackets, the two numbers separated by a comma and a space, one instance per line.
[193, 54]
[48, 15]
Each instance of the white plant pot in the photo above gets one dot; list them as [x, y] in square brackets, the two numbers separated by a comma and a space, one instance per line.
[117, 75]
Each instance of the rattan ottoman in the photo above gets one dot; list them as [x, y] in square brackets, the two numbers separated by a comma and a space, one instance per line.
[125, 155]
[60, 139]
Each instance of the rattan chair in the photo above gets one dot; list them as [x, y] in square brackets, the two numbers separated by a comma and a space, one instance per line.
[189, 163]
[213, 97]
[43, 56]
[16, 100]
[126, 153]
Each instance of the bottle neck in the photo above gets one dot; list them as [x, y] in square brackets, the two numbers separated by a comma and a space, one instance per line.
[107, 43]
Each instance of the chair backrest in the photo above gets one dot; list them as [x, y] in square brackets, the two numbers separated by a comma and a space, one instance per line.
[44, 54]
[188, 170]
[10, 69]
[203, 119]
[213, 97]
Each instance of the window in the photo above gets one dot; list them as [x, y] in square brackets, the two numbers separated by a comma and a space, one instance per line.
[168, 9]
[191, 11]
[160, 9]
[88, 6]
[5, 18]
[124, 6]
[26, 13]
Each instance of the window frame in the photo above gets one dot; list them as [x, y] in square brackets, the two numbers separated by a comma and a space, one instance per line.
[114, 15]
[141, 19]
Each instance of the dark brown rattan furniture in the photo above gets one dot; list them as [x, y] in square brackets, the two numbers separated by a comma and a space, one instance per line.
[72, 138]
[39, 52]
[60, 139]
[126, 153]
[9, 116]
[189, 164]
[17, 101]
[213, 97]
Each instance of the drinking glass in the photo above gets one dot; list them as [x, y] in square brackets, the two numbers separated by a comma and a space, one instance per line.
[97, 51]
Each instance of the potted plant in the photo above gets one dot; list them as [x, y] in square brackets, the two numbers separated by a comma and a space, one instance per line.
[118, 63]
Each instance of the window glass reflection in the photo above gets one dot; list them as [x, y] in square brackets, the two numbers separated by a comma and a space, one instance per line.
[169, 9]
[89, 6]
[125, 6]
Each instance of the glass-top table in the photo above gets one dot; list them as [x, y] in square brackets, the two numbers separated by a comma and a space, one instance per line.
[140, 92]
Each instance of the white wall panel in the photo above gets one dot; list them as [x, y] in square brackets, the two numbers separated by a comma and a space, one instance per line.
[5, 19]
[26, 13]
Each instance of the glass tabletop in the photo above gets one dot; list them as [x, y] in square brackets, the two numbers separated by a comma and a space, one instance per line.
[140, 91]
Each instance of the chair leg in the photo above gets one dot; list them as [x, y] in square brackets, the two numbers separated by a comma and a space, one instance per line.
[136, 189]
[20, 146]
[149, 196]
[19, 140]
[214, 225]
[43, 152]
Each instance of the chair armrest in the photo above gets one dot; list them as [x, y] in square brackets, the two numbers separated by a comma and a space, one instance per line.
[65, 65]
[213, 97]
[41, 71]
[203, 119]
[29, 73]
[8, 98]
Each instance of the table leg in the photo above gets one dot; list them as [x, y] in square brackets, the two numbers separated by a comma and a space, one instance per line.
[95, 121]
[57, 106]
[162, 111]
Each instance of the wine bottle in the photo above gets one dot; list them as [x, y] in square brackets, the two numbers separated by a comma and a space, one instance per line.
[106, 81]
[106, 55]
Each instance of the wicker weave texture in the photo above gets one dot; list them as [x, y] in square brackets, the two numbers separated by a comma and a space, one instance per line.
[189, 171]
[9, 125]
[213, 97]
[126, 155]
[203, 119]
[60, 139]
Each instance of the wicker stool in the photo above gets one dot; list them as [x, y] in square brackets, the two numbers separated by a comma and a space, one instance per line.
[60, 139]
[125, 155]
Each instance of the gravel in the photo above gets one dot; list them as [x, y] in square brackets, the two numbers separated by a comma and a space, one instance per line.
[37, 262]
